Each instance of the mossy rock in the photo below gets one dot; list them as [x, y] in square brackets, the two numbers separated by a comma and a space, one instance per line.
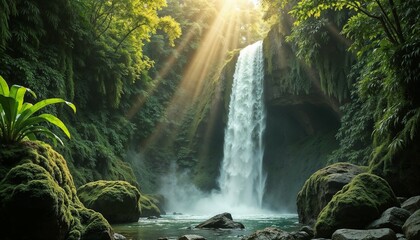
[149, 206]
[319, 189]
[356, 205]
[38, 198]
[118, 201]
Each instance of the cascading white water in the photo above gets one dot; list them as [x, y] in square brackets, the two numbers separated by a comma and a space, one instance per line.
[242, 179]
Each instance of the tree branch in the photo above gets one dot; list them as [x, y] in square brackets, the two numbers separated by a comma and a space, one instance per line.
[397, 21]
[392, 28]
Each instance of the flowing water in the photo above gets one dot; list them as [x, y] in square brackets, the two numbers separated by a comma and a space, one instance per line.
[242, 179]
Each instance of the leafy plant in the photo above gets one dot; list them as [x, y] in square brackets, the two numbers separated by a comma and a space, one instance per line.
[17, 119]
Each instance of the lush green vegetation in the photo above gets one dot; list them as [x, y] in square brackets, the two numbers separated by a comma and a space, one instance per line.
[151, 79]
[381, 118]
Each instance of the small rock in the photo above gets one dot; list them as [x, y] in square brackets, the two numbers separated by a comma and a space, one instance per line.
[308, 230]
[152, 217]
[301, 235]
[118, 236]
[393, 218]
[269, 233]
[400, 236]
[412, 204]
[372, 234]
[411, 227]
[222, 221]
[191, 237]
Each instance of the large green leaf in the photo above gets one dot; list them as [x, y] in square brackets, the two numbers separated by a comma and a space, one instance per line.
[56, 121]
[9, 109]
[18, 93]
[40, 129]
[41, 104]
[4, 88]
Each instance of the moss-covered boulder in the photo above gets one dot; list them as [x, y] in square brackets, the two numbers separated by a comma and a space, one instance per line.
[38, 198]
[319, 189]
[356, 205]
[149, 206]
[118, 201]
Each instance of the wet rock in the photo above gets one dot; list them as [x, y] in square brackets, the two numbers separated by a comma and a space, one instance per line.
[401, 236]
[269, 233]
[372, 234]
[308, 230]
[152, 218]
[356, 205]
[393, 218]
[118, 236]
[412, 204]
[191, 237]
[319, 189]
[222, 221]
[301, 235]
[411, 227]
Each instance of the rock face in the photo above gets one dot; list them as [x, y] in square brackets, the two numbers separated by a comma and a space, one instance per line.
[374, 234]
[321, 187]
[118, 201]
[38, 198]
[411, 227]
[223, 221]
[393, 218]
[271, 233]
[356, 205]
[412, 204]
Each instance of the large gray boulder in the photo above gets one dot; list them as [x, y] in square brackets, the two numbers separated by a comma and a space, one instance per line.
[373, 234]
[412, 204]
[393, 218]
[319, 189]
[222, 221]
[411, 227]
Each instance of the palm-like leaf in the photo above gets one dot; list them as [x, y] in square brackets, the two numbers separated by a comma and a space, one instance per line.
[18, 119]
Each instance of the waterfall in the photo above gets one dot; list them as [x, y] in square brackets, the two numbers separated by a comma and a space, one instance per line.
[242, 179]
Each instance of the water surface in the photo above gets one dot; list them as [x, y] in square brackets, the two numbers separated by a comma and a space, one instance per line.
[174, 226]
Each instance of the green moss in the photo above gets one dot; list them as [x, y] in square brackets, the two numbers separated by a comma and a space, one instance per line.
[356, 205]
[38, 198]
[320, 188]
[118, 201]
[148, 205]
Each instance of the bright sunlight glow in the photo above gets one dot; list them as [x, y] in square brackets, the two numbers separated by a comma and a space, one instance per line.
[231, 29]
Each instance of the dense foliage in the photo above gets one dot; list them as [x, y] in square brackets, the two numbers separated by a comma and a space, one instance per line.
[384, 37]
[91, 53]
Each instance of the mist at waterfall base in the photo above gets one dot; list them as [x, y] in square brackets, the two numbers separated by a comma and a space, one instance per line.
[242, 179]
